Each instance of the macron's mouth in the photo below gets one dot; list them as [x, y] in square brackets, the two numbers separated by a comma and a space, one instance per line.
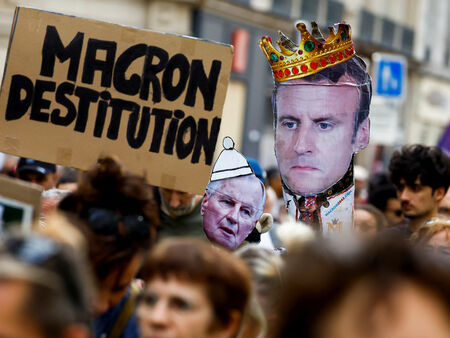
[304, 168]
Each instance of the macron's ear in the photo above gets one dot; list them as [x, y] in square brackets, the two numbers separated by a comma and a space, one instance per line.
[362, 136]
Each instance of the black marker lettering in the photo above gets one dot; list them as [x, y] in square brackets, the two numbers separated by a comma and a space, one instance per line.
[172, 132]
[64, 89]
[150, 71]
[17, 107]
[161, 115]
[136, 140]
[207, 85]
[54, 47]
[202, 140]
[39, 102]
[87, 96]
[181, 63]
[92, 64]
[128, 86]
[187, 129]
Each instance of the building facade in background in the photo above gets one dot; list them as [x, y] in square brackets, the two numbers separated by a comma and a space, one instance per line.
[416, 31]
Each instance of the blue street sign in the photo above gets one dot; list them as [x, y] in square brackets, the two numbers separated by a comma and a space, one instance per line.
[389, 75]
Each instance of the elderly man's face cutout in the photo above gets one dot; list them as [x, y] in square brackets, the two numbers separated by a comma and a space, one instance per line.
[230, 211]
[314, 132]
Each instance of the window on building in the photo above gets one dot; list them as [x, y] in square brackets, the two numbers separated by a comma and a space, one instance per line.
[242, 2]
[335, 12]
[388, 33]
[367, 23]
[408, 41]
[310, 10]
[427, 56]
[282, 7]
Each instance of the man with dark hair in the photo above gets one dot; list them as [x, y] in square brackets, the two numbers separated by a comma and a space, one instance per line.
[180, 214]
[383, 195]
[38, 172]
[421, 175]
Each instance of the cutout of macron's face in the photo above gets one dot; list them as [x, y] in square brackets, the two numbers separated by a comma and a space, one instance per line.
[231, 210]
[314, 134]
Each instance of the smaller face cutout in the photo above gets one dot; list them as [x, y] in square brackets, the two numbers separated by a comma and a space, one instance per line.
[231, 208]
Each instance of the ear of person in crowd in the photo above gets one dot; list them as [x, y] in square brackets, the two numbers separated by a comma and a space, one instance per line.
[44, 289]
[115, 211]
[193, 290]
[421, 175]
[38, 172]
[233, 201]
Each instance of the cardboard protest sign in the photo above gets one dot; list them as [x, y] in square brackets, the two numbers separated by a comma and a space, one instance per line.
[75, 89]
[20, 203]
[234, 199]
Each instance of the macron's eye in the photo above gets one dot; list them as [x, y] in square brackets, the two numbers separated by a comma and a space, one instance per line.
[324, 125]
[289, 124]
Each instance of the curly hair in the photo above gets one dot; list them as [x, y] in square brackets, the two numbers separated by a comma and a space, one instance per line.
[116, 212]
[430, 164]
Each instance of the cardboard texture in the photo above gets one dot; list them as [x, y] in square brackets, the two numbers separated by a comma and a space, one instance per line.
[75, 89]
[23, 192]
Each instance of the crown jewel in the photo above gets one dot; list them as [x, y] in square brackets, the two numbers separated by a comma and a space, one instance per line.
[312, 55]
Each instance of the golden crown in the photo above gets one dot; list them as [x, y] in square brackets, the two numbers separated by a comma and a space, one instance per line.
[312, 55]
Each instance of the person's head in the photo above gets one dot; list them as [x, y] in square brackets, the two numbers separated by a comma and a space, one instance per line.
[230, 209]
[376, 290]
[68, 179]
[38, 172]
[265, 266]
[368, 220]
[320, 121]
[421, 175]
[44, 290]
[383, 195]
[117, 214]
[434, 233]
[274, 181]
[177, 203]
[192, 290]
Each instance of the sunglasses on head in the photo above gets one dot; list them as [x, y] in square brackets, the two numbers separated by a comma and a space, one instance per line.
[107, 222]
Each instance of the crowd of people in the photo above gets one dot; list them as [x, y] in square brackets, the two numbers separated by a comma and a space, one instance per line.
[314, 248]
[114, 257]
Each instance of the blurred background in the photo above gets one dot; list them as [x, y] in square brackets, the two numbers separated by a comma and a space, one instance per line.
[405, 43]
